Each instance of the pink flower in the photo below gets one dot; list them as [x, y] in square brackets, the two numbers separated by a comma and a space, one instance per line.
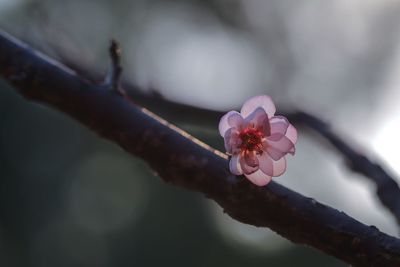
[257, 140]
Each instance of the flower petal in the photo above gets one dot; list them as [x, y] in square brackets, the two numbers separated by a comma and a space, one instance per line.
[266, 164]
[272, 167]
[234, 165]
[258, 178]
[279, 167]
[291, 134]
[258, 119]
[251, 158]
[278, 149]
[275, 153]
[248, 162]
[262, 101]
[232, 141]
[253, 118]
[279, 126]
[235, 120]
[224, 123]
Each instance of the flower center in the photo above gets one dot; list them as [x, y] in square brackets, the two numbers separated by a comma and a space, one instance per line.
[251, 139]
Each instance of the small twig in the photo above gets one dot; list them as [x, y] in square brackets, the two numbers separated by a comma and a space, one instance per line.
[113, 78]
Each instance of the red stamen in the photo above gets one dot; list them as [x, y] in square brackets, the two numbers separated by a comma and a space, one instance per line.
[251, 139]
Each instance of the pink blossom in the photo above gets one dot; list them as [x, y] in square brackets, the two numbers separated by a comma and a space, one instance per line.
[257, 140]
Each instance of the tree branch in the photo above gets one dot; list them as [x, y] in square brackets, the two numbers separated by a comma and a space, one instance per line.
[184, 161]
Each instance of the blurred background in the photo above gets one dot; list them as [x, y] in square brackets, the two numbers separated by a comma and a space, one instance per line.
[68, 198]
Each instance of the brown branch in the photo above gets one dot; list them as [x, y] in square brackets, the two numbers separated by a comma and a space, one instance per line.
[186, 162]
